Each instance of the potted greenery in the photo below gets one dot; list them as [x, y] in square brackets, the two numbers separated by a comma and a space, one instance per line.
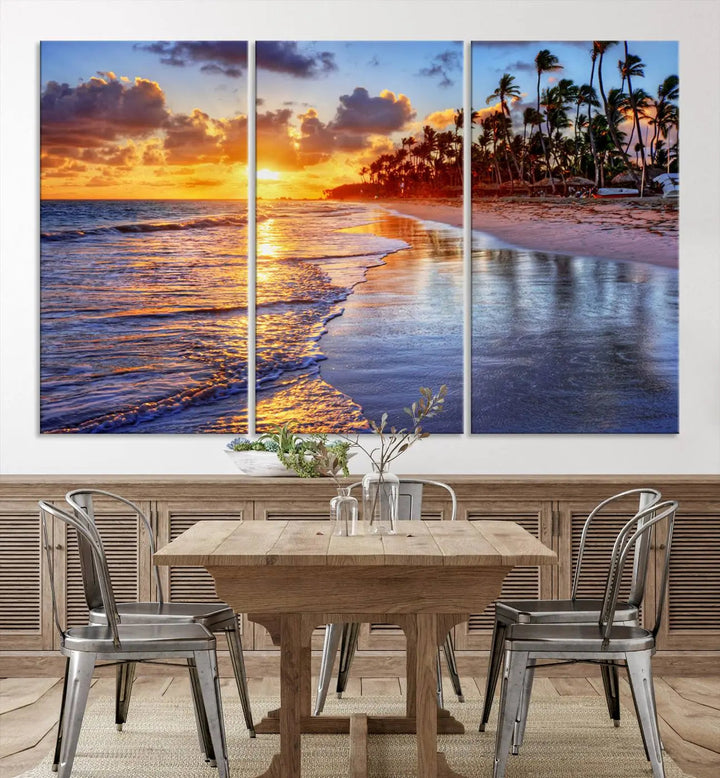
[282, 452]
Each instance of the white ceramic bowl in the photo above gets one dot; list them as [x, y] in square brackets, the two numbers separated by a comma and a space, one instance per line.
[259, 463]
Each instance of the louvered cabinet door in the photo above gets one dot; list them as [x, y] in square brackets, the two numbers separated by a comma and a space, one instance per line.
[25, 606]
[194, 584]
[691, 618]
[127, 550]
[291, 510]
[598, 547]
[522, 582]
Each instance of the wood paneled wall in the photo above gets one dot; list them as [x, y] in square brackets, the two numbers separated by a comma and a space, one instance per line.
[551, 507]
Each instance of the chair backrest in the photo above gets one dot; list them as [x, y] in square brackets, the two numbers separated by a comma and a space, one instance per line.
[410, 495]
[82, 501]
[87, 532]
[639, 529]
[647, 498]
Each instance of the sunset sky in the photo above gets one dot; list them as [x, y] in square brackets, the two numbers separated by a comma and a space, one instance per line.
[169, 119]
[327, 109]
[143, 120]
[490, 59]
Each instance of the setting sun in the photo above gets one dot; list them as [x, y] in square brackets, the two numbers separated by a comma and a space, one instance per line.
[268, 175]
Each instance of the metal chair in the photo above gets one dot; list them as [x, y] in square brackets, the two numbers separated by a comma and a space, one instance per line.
[600, 643]
[345, 635]
[576, 610]
[216, 617]
[117, 642]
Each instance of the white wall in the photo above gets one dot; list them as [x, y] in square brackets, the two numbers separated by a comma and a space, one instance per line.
[696, 23]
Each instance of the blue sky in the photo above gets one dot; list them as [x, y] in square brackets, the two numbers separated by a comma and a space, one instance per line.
[491, 59]
[185, 86]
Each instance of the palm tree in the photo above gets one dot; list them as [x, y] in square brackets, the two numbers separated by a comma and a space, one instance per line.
[667, 92]
[600, 47]
[599, 174]
[586, 95]
[490, 126]
[633, 66]
[545, 62]
[506, 88]
[639, 101]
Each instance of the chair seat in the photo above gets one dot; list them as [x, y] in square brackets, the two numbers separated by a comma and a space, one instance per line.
[576, 638]
[559, 611]
[140, 638]
[209, 614]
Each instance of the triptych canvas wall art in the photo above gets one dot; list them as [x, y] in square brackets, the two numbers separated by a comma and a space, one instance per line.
[358, 268]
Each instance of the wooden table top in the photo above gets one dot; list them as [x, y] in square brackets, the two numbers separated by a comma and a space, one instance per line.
[311, 543]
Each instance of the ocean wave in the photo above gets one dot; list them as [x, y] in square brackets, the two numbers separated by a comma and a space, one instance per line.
[143, 313]
[135, 415]
[201, 223]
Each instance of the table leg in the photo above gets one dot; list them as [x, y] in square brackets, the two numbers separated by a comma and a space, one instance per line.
[426, 694]
[290, 700]
[294, 656]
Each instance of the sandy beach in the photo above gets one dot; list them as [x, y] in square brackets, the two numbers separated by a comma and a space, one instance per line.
[636, 230]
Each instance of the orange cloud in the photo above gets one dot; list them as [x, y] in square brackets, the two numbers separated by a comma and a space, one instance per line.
[109, 133]
[276, 147]
[441, 120]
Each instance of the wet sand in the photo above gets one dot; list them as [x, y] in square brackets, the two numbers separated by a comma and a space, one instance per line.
[403, 328]
[636, 230]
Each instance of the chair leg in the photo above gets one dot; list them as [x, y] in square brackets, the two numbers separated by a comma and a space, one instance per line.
[449, 650]
[80, 670]
[510, 697]
[238, 663]
[521, 721]
[641, 680]
[58, 739]
[333, 633]
[348, 644]
[206, 665]
[495, 664]
[124, 677]
[201, 723]
[612, 690]
[438, 673]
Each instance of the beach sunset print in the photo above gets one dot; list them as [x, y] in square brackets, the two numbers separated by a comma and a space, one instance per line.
[359, 278]
[358, 305]
[143, 237]
[575, 171]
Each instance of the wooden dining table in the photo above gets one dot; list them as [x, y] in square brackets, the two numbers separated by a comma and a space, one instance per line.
[291, 576]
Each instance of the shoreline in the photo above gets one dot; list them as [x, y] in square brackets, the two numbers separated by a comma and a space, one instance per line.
[630, 230]
[366, 348]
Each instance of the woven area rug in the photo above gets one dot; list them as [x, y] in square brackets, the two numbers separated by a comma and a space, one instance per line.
[567, 737]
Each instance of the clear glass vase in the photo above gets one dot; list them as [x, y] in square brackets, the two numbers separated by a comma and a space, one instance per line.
[344, 513]
[380, 502]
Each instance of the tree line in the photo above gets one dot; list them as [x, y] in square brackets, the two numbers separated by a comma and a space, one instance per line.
[574, 131]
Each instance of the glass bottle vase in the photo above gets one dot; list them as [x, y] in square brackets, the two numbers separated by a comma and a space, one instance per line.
[380, 502]
[344, 513]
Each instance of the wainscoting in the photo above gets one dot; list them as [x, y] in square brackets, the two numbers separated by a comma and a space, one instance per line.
[551, 507]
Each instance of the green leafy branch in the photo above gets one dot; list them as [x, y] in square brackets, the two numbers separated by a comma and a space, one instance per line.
[393, 441]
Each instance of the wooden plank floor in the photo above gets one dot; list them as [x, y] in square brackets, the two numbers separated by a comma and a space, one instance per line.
[689, 710]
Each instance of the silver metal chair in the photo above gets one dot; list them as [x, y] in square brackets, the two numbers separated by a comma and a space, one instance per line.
[117, 642]
[576, 610]
[216, 617]
[600, 643]
[345, 635]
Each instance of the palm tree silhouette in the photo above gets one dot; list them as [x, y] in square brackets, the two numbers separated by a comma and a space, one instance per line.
[545, 62]
[601, 47]
[633, 66]
[506, 88]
